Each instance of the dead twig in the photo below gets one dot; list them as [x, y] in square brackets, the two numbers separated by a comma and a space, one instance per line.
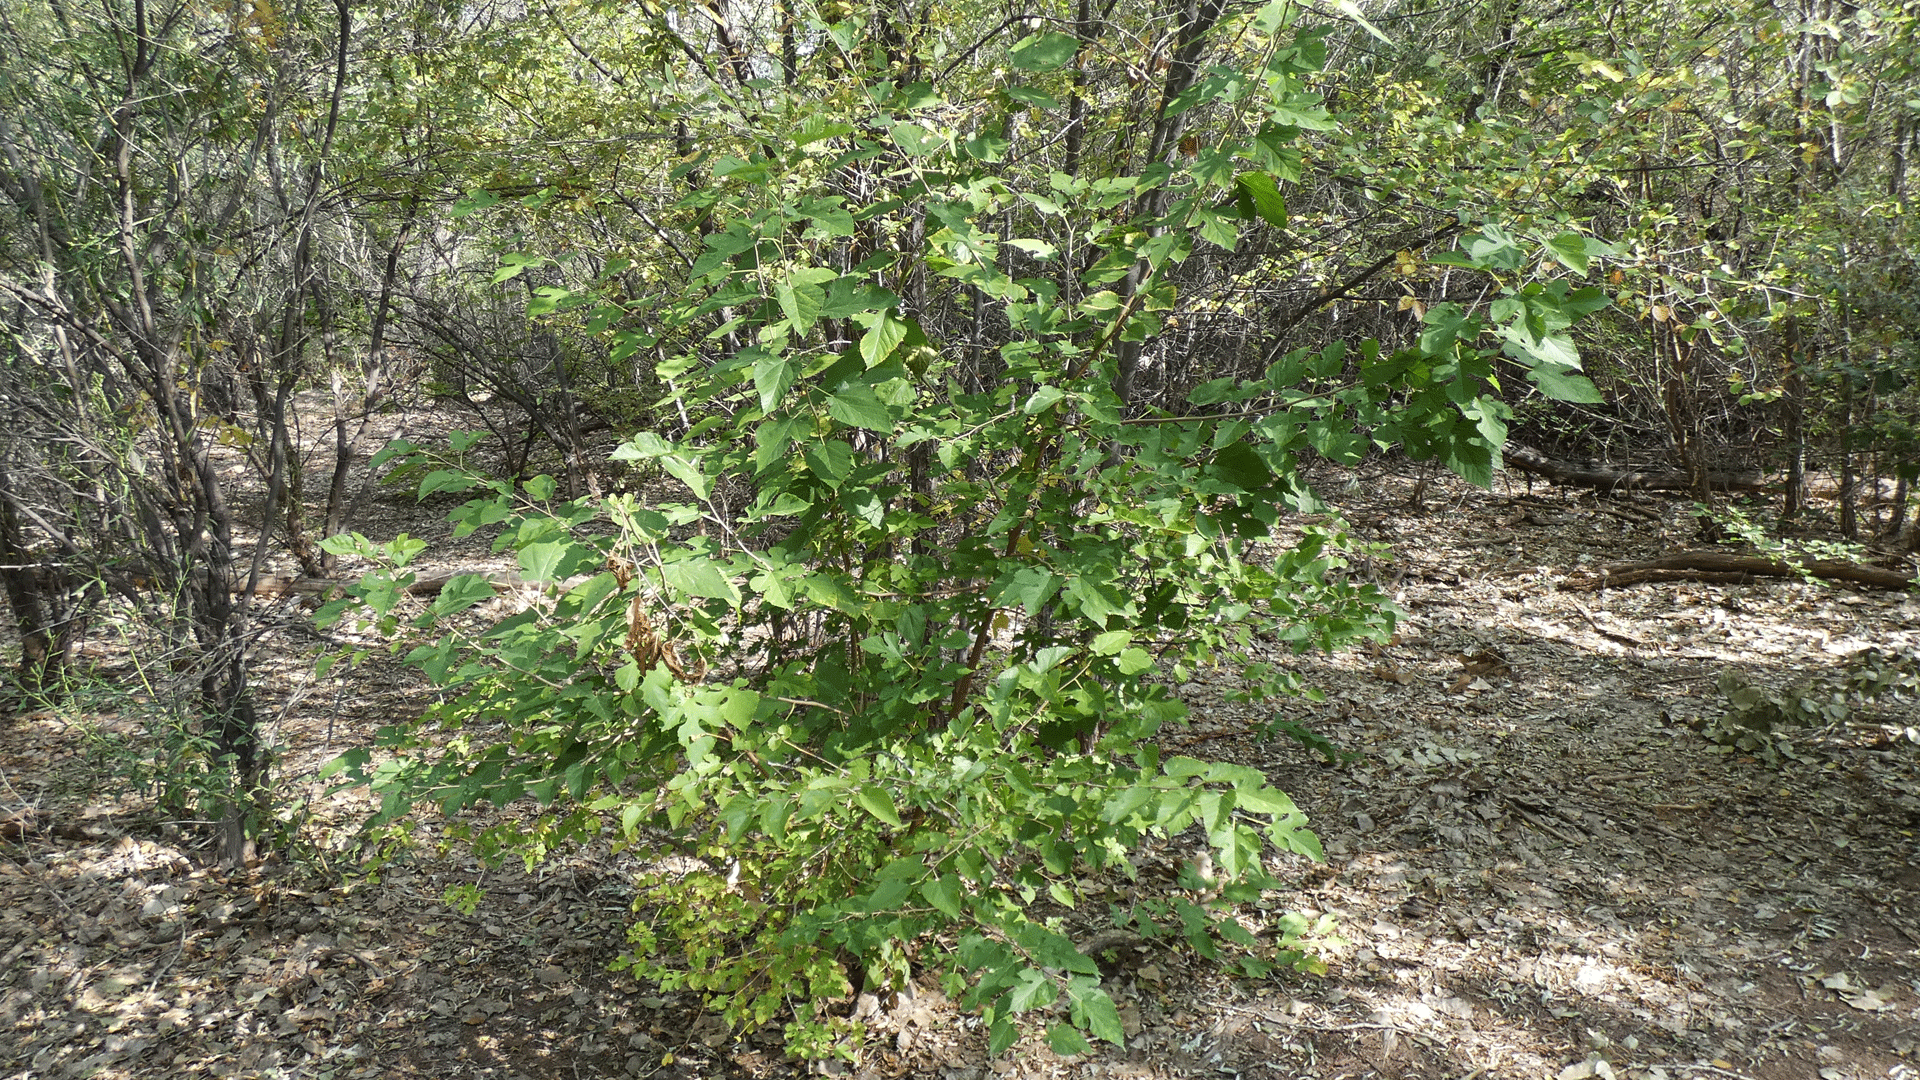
[1610, 635]
[1716, 566]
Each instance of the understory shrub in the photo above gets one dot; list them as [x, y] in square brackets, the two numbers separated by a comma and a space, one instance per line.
[898, 716]
[1762, 721]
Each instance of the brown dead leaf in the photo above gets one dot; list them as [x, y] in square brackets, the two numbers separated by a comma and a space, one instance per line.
[1486, 663]
[1864, 998]
[1389, 673]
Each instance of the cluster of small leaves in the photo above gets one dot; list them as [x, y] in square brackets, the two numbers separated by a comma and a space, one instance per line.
[167, 758]
[1757, 718]
[1796, 554]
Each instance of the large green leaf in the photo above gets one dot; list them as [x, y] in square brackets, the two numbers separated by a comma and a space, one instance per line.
[818, 126]
[1570, 249]
[855, 405]
[1031, 990]
[462, 591]
[943, 892]
[701, 577]
[1066, 1040]
[831, 460]
[1001, 1035]
[1240, 465]
[688, 471]
[800, 303]
[1565, 384]
[554, 560]
[1044, 52]
[876, 800]
[884, 333]
[917, 141]
[1260, 196]
[772, 376]
[1096, 1009]
[1044, 397]
[1052, 950]
[1028, 96]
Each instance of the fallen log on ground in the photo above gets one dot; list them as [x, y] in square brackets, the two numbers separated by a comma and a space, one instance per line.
[1603, 478]
[1723, 568]
[326, 589]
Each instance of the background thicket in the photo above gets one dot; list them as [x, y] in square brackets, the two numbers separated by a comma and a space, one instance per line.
[892, 400]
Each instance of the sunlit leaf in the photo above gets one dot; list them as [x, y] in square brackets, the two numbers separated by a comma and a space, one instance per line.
[1044, 52]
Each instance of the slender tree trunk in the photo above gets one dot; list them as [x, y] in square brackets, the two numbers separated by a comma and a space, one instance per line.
[1849, 474]
[1077, 102]
[40, 598]
[1903, 138]
[789, 48]
[1897, 518]
[1182, 68]
[373, 390]
[1793, 404]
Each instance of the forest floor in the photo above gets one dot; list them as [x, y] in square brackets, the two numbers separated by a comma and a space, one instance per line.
[1539, 867]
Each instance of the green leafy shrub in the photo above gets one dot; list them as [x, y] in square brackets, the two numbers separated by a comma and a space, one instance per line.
[1797, 553]
[144, 731]
[831, 802]
[898, 713]
[1758, 720]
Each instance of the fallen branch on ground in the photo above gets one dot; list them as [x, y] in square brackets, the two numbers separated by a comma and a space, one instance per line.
[1607, 479]
[1720, 567]
[327, 590]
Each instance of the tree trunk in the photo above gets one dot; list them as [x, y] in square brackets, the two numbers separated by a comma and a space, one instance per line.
[1182, 68]
[43, 605]
[1793, 407]
[374, 389]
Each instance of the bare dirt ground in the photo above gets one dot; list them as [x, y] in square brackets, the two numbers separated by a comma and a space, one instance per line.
[1538, 866]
